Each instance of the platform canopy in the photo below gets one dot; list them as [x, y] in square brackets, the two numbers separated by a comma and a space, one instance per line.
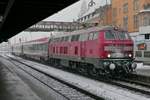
[17, 15]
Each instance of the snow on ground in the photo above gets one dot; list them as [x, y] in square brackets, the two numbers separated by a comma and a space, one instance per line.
[98, 88]
[40, 89]
[143, 69]
[15, 87]
[142, 66]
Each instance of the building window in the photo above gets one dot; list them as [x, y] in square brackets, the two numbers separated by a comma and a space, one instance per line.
[145, 21]
[147, 36]
[114, 22]
[114, 12]
[136, 21]
[138, 54]
[125, 22]
[136, 5]
[146, 6]
[125, 8]
[93, 14]
[146, 53]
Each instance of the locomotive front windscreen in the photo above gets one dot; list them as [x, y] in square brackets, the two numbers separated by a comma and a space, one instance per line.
[116, 35]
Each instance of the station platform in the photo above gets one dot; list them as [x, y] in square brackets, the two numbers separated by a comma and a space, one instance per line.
[143, 69]
[13, 88]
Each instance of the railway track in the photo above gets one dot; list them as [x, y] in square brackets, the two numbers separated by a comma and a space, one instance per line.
[133, 85]
[128, 83]
[69, 91]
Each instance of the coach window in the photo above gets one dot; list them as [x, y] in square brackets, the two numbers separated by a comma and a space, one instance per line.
[57, 40]
[45, 47]
[50, 40]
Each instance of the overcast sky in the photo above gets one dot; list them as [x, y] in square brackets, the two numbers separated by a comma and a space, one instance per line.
[68, 14]
[71, 13]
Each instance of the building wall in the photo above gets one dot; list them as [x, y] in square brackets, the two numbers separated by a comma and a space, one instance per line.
[127, 10]
[101, 15]
[107, 19]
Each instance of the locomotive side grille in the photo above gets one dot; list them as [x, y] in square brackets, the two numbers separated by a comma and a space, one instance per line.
[118, 48]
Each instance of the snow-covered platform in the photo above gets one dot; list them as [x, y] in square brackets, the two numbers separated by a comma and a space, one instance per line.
[13, 88]
[143, 69]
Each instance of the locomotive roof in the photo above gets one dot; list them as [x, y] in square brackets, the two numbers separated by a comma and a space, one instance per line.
[82, 31]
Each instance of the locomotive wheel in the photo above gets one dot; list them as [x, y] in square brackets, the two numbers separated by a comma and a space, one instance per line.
[92, 72]
[81, 70]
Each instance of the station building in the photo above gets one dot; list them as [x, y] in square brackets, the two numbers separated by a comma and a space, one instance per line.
[125, 14]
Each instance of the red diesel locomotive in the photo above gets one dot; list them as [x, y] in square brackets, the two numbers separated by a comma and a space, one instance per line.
[96, 50]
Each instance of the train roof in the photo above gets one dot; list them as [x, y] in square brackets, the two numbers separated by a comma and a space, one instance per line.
[38, 41]
[82, 31]
[85, 30]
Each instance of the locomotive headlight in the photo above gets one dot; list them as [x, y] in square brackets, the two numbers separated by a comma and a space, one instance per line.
[112, 66]
[130, 55]
[109, 55]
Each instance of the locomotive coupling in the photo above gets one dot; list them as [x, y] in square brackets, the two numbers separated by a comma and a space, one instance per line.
[112, 66]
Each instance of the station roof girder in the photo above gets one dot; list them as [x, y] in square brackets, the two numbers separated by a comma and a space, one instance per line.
[17, 15]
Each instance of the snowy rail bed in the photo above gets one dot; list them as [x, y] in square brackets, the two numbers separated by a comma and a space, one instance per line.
[97, 88]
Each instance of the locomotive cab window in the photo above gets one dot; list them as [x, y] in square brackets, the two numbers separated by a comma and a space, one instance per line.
[123, 35]
[109, 35]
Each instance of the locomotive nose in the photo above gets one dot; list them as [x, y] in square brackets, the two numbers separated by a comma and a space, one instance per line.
[112, 66]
